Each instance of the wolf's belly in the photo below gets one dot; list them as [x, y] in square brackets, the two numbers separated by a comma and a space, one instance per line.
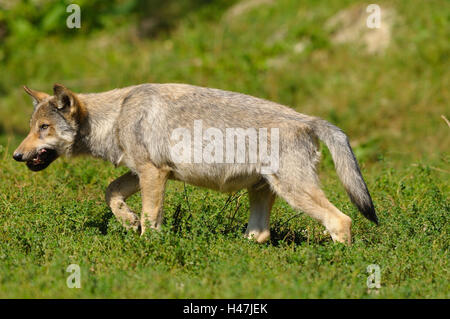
[219, 180]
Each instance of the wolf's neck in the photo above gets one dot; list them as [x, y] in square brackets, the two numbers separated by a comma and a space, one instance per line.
[97, 134]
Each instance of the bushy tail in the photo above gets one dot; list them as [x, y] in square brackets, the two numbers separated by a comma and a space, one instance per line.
[346, 166]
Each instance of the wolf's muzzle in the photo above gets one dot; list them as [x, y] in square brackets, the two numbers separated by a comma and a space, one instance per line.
[18, 157]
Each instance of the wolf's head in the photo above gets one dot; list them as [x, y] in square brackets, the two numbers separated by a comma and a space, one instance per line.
[53, 127]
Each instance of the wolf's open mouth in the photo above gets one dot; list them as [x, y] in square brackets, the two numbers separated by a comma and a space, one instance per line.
[42, 159]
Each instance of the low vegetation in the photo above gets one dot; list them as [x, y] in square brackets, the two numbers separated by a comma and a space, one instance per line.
[391, 103]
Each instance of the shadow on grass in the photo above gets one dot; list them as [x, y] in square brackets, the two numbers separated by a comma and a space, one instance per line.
[279, 235]
[101, 222]
[286, 236]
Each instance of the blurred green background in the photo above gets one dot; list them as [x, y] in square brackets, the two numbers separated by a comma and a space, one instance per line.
[387, 88]
[389, 101]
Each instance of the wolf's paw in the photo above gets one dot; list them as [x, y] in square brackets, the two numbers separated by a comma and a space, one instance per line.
[341, 232]
[149, 227]
[258, 236]
[133, 225]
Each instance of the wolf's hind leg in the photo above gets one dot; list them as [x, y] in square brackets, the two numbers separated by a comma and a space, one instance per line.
[117, 193]
[309, 198]
[297, 182]
[153, 183]
[261, 201]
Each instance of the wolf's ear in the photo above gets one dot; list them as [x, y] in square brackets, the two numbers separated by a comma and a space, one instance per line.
[68, 102]
[36, 96]
[64, 97]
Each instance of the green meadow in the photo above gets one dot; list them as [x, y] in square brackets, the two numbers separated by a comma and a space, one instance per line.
[392, 104]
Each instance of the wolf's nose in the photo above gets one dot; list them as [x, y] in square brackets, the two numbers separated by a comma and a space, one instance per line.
[18, 156]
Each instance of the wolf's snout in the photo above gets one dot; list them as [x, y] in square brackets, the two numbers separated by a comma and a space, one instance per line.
[18, 156]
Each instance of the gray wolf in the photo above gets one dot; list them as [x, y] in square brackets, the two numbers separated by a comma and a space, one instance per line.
[134, 126]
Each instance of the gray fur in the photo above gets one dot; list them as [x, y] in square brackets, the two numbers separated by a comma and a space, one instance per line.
[132, 126]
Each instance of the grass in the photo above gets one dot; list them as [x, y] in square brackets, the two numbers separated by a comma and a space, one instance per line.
[389, 104]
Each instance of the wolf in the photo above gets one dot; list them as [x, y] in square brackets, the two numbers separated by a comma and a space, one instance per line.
[133, 126]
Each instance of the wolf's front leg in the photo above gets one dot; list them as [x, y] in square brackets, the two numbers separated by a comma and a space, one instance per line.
[153, 183]
[261, 202]
[116, 194]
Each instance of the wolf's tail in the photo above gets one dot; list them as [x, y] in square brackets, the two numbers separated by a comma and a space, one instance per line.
[346, 166]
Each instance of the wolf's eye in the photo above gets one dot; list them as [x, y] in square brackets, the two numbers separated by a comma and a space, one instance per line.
[44, 126]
